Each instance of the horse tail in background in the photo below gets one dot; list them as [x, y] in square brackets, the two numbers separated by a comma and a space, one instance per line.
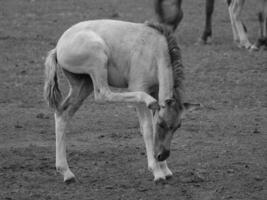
[52, 93]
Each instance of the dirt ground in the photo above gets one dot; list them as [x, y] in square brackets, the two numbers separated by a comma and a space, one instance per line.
[220, 152]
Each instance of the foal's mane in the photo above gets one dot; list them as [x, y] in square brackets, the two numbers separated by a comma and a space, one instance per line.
[175, 57]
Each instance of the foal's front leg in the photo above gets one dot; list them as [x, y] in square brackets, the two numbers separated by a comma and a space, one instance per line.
[165, 169]
[103, 93]
[159, 169]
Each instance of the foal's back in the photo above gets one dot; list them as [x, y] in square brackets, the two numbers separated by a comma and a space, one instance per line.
[128, 49]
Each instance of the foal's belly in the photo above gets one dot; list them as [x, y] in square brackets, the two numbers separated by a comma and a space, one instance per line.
[116, 78]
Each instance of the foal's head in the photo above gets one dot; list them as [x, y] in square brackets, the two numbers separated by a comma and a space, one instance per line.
[166, 121]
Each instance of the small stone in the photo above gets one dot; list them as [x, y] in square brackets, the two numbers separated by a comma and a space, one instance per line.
[258, 178]
[18, 126]
[23, 72]
[42, 116]
[142, 189]
[256, 131]
[115, 15]
[109, 187]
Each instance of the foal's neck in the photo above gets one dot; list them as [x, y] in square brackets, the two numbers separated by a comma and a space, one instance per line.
[165, 78]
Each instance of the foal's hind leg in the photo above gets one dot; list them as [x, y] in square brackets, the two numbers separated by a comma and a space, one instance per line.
[80, 88]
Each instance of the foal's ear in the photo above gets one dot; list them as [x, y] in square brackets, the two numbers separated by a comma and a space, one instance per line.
[191, 106]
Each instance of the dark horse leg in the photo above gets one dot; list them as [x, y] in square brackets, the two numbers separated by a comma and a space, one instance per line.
[207, 33]
[262, 40]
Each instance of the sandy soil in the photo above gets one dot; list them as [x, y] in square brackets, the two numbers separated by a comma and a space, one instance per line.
[219, 153]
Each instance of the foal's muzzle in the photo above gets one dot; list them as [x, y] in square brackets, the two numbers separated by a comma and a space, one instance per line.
[163, 155]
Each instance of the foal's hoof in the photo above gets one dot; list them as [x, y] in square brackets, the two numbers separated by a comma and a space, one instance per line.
[160, 181]
[168, 177]
[69, 177]
[254, 48]
[245, 46]
[70, 180]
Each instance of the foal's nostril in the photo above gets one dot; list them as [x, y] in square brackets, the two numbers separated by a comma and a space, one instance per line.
[163, 155]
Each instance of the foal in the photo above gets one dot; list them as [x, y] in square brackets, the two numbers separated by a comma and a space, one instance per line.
[141, 57]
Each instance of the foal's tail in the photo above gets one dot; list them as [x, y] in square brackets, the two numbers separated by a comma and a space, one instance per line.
[52, 93]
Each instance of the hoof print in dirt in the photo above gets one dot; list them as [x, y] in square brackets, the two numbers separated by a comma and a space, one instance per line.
[18, 126]
[193, 177]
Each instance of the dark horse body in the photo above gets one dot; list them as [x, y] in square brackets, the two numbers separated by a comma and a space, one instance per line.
[170, 12]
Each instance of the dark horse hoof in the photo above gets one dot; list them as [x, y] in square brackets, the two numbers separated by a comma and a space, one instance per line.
[160, 181]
